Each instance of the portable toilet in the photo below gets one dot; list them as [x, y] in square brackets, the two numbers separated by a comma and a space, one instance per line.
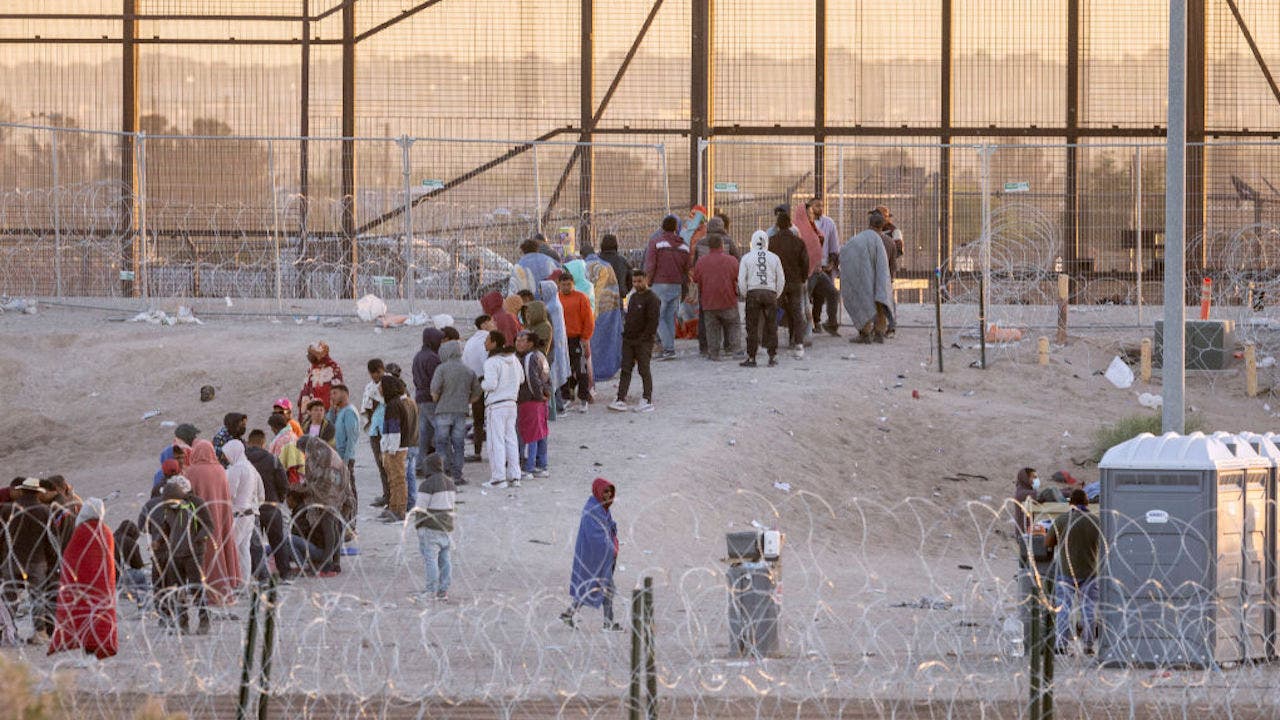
[1266, 446]
[1171, 589]
[1257, 546]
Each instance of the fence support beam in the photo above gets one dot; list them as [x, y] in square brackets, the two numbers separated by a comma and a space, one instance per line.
[820, 98]
[128, 166]
[700, 91]
[1194, 131]
[1181, 83]
[348, 143]
[1071, 188]
[586, 107]
[943, 258]
[304, 128]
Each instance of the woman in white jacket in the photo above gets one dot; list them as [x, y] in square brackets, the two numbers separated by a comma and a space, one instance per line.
[502, 379]
[247, 494]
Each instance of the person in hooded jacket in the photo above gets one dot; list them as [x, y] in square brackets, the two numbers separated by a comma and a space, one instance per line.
[761, 281]
[794, 255]
[178, 449]
[222, 563]
[621, 268]
[502, 379]
[424, 369]
[399, 433]
[322, 373]
[247, 496]
[595, 555]
[531, 405]
[507, 323]
[433, 519]
[33, 550]
[453, 388]
[539, 264]
[86, 618]
[275, 486]
[326, 498]
[181, 529]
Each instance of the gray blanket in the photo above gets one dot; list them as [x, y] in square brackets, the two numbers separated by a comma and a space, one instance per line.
[864, 278]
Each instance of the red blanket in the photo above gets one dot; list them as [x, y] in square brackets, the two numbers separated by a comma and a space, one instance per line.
[87, 597]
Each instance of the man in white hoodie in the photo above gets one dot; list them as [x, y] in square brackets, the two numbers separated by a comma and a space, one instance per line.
[502, 379]
[760, 281]
[247, 494]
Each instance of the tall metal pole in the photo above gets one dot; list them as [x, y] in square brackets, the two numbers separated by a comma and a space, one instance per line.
[410, 248]
[820, 98]
[128, 150]
[586, 97]
[1071, 189]
[1173, 360]
[700, 92]
[275, 221]
[944, 156]
[348, 143]
[55, 197]
[1137, 223]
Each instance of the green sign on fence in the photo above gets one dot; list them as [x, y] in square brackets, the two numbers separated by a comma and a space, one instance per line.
[1019, 186]
[433, 184]
[726, 187]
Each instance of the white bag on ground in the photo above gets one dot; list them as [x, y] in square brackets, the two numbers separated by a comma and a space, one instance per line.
[1120, 374]
[370, 308]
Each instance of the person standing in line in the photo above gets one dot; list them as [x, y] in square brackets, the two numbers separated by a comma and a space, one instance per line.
[579, 323]
[181, 530]
[531, 405]
[539, 264]
[433, 519]
[399, 433]
[865, 285]
[424, 368]
[346, 434]
[894, 248]
[1078, 539]
[233, 427]
[717, 277]
[821, 287]
[639, 327]
[716, 227]
[247, 496]
[621, 268]
[453, 388]
[666, 264]
[371, 404]
[595, 556]
[760, 281]
[793, 254]
[222, 562]
[285, 407]
[502, 379]
[473, 356]
[326, 499]
[275, 486]
[493, 305]
[317, 423]
[321, 374]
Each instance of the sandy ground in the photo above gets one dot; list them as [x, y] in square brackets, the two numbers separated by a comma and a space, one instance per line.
[870, 521]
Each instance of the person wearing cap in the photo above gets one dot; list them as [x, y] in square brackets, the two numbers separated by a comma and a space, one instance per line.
[179, 449]
[33, 552]
[233, 427]
[865, 285]
[666, 263]
[285, 407]
[321, 375]
[821, 288]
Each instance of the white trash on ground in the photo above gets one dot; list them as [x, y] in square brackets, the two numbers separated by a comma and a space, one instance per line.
[1120, 374]
[18, 305]
[1147, 400]
[370, 308]
[441, 321]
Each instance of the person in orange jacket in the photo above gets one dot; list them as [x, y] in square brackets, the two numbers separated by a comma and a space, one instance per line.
[579, 323]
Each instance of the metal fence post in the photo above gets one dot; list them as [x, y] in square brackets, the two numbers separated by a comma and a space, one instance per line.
[406, 144]
[984, 158]
[1174, 360]
[650, 664]
[250, 640]
[840, 214]
[140, 258]
[54, 196]
[275, 222]
[703, 145]
[537, 190]
[637, 638]
[1137, 202]
[268, 647]
[666, 179]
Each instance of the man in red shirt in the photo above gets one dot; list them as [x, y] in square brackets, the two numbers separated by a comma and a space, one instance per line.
[717, 277]
[666, 262]
[579, 323]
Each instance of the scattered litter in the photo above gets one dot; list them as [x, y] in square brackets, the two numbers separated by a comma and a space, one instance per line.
[597, 464]
[331, 321]
[965, 477]
[442, 321]
[925, 603]
[18, 305]
[168, 423]
[1003, 335]
[1066, 433]
[642, 456]
[583, 447]
[229, 303]
[897, 384]
[915, 394]
[299, 321]
[370, 307]
[965, 567]
[536, 541]
[967, 393]
[1267, 362]
[154, 317]
[985, 498]
[884, 429]
[150, 414]
[1119, 374]
[883, 419]
[783, 486]
[732, 442]
[1147, 400]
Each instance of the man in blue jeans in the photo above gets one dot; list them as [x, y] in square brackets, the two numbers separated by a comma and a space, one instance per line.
[666, 262]
[454, 387]
[424, 368]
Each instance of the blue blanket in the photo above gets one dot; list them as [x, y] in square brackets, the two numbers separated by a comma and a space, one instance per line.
[594, 555]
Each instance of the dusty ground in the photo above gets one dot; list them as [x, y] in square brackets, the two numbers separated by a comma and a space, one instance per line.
[870, 521]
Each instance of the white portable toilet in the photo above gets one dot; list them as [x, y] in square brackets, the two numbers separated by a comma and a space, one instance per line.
[1173, 523]
[1268, 446]
[1257, 546]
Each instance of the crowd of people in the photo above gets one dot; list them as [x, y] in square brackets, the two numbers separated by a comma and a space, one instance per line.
[245, 505]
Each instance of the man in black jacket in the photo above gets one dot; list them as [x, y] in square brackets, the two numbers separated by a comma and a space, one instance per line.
[791, 251]
[621, 268]
[638, 330]
[424, 368]
[275, 486]
[35, 550]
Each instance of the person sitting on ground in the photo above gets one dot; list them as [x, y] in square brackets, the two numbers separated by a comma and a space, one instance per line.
[326, 499]
[595, 556]
[1077, 538]
[134, 581]
[433, 519]
[316, 424]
